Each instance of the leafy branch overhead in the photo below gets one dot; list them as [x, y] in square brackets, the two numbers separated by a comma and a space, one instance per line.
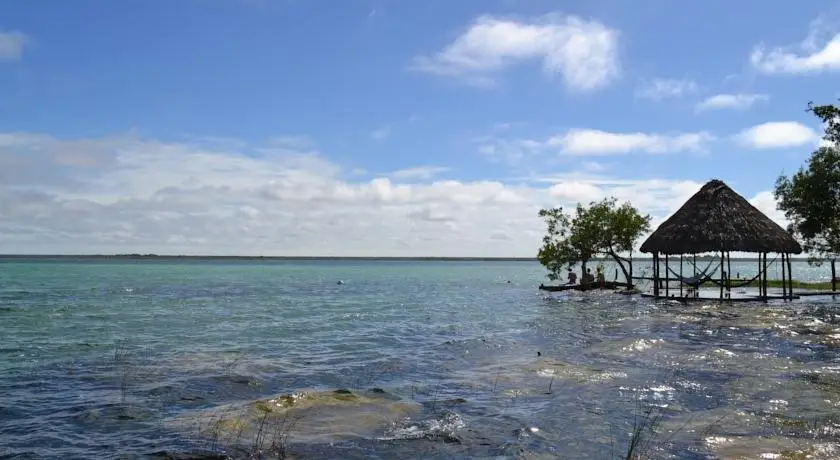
[601, 228]
[810, 198]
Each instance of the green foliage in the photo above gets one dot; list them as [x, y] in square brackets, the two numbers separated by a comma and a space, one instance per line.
[557, 251]
[601, 228]
[810, 198]
[830, 116]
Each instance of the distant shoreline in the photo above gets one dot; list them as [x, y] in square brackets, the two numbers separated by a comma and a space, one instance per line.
[312, 258]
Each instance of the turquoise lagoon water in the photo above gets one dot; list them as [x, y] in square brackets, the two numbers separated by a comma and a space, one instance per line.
[124, 359]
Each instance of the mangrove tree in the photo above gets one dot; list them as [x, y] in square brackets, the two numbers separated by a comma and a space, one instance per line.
[603, 228]
[810, 198]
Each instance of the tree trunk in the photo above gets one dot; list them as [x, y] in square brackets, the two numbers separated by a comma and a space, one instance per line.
[620, 261]
[833, 277]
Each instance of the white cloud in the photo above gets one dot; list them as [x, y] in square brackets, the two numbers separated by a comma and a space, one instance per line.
[11, 45]
[658, 197]
[596, 142]
[666, 88]
[583, 53]
[818, 52]
[730, 101]
[766, 203]
[124, 194]
[777, 134]
[576, 191]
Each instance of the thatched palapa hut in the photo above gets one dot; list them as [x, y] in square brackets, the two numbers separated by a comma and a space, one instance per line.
[718, 220]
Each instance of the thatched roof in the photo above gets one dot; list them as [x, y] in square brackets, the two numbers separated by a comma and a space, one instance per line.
[718, 219]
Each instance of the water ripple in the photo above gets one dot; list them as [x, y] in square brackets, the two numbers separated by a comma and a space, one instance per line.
[102, 359]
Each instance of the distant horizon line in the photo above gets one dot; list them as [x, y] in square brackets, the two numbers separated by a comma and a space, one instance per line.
[305, 258]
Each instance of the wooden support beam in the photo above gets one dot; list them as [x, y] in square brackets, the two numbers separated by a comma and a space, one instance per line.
[728, 275]
[697, 289]
[681, 275]
[784, 278]
[763, 282]
[656, 274]
[790, 277]
[722, 259]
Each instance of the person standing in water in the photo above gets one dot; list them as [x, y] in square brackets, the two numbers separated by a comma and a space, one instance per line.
[572, 277]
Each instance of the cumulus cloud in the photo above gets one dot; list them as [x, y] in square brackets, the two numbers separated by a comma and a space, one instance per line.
[11, 45]
[739, 101]
[128, 194]
[766, 203]
[576, 192]
[777, 134]
[818, 52]
[584, 54]
[663, 88]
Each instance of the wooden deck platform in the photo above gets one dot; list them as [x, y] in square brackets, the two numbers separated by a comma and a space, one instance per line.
[739, 295]
[712, 294]
[716, 297]
[811, 293]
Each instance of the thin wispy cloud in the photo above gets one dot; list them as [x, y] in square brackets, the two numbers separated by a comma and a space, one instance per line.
[740, 101]
[12, 44]
[818, 52]
[381, 134]
[664, 88]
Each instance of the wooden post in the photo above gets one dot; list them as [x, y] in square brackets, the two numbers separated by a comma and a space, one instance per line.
[696, 289]
[790, 276]
[667, 275]
[681, 275]
[833, 277]
[759, 274]
[656, 274]
[784, 278]
[722, 260]
[728, 275]
[762, 283]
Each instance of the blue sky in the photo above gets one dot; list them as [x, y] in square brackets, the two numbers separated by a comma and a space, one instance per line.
[389, 128]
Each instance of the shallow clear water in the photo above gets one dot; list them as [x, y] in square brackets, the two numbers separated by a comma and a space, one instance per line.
[102, 359]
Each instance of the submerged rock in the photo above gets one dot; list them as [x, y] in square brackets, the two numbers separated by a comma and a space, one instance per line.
[164, 455]
[547, 367]
[309, 416]
[770, 447]
[826, 382]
